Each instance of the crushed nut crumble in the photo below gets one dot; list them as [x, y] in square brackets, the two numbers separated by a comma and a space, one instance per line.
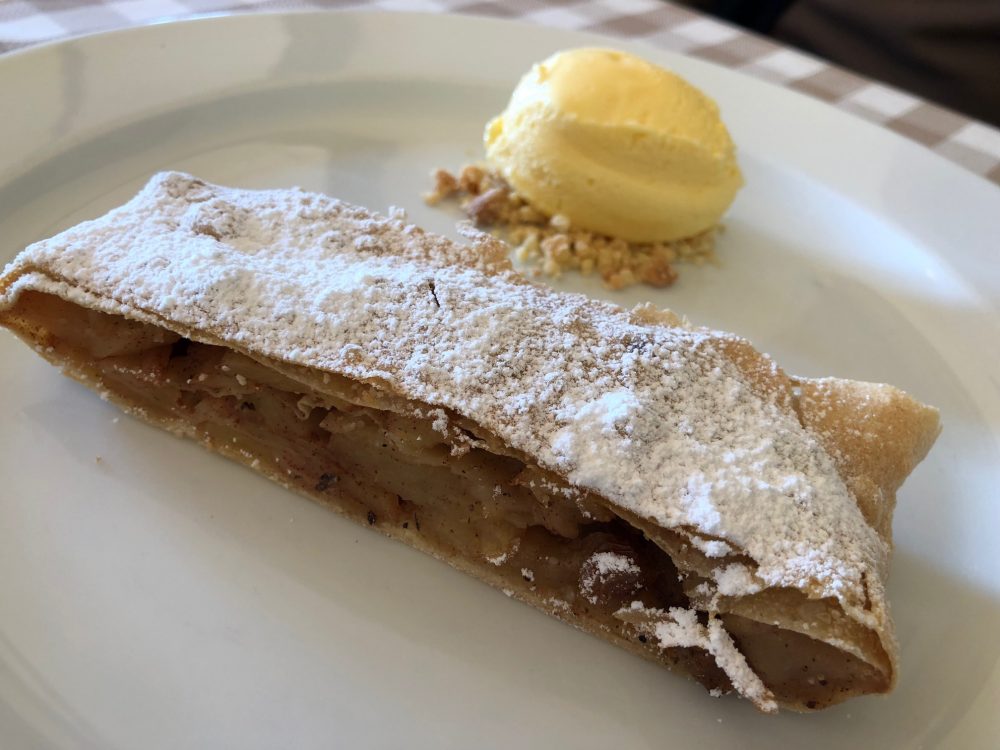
[550, 246]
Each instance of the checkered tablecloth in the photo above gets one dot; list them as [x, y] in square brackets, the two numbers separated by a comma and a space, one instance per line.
[972, 144]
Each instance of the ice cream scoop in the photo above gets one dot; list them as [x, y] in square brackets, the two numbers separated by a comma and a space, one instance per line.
[616, 144]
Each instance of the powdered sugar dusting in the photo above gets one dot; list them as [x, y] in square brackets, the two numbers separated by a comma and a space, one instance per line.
[712, 547]
[678, 627]
[735, 580]
[657, 420]
[602, 567]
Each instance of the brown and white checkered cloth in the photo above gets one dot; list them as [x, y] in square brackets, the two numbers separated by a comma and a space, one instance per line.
[973, 145]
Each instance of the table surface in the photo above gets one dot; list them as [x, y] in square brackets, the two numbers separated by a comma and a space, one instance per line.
[971, 144]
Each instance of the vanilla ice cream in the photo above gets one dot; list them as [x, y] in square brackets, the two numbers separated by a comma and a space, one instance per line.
[616, 144]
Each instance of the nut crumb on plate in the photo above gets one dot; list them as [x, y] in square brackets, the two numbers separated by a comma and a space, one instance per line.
[550, 246]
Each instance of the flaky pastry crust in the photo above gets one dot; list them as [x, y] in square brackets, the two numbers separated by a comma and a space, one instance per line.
[665, 487]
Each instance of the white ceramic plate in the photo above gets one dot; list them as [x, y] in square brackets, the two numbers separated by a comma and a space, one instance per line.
[163, 598]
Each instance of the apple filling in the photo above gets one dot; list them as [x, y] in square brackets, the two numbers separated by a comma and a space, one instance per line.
[426, 476]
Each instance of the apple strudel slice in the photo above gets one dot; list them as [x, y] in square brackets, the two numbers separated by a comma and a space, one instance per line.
[664, 487]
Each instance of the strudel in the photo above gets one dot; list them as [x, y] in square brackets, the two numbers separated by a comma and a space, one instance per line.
[665, 487]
